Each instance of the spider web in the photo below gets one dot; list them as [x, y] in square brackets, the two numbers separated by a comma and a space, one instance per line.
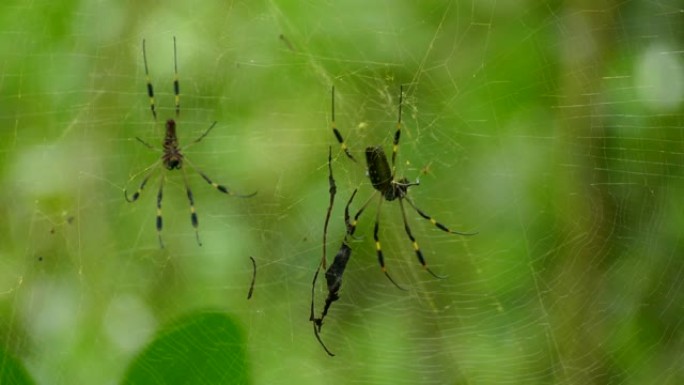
[552, 129]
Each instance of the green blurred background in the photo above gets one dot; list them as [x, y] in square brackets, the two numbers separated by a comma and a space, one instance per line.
[552, 128]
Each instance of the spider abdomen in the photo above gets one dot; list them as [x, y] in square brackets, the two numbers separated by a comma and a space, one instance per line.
[380, 173]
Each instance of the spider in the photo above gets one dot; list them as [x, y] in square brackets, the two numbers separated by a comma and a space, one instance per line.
[172, 157]
[384, 180]
[333, 275]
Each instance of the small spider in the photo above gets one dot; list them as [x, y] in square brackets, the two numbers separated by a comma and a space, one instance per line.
[172, 157]
[384, 181]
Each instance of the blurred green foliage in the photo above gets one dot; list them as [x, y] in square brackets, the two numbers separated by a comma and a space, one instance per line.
[12, 371]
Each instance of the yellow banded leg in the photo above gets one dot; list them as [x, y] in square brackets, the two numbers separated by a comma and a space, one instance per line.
[176, 85]
[397, 134]
[381, 259]
[416, 248]
[139, 191]
[434, 222]
[338, 135]
[193, 212]
[222, 188]
[150, 89]
[159, 221]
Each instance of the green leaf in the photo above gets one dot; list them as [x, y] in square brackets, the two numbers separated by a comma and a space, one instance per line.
[201, 348]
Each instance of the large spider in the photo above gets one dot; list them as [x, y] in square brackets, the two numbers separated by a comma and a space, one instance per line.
[172, 157]
[384, 180]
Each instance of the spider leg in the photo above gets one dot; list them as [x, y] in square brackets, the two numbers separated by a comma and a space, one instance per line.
[193, 212]
[176, 85]
[313, 293]
[140, 189]
[378, 248]
[251, 286]
[217, 186]
[416, 248]
[159, 210]
[136, 194]
[351, 226]
[150, 89]
[318, 322]
[338, 136]
[318, 337]
[397, 134]
[145, 143]
[433, 221]
[201, 136]
[332, 191]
